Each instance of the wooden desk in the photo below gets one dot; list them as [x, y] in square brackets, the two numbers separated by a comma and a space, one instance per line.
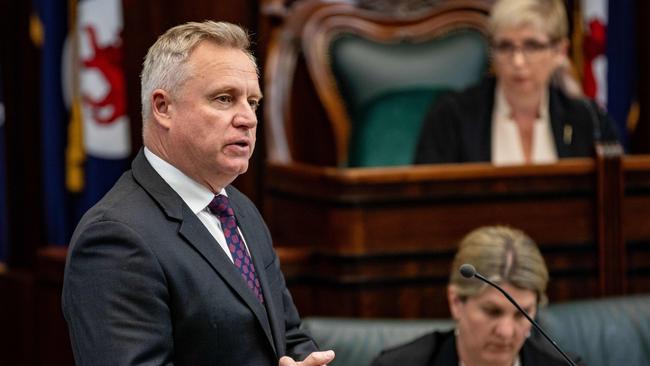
[379, 242]
[636, 222]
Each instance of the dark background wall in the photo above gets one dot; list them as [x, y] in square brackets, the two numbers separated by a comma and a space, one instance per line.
[30, 320]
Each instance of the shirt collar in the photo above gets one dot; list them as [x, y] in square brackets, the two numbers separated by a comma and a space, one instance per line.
[504, 110]
[195, 196]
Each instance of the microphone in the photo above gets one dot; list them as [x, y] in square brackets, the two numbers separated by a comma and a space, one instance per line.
[468, 271]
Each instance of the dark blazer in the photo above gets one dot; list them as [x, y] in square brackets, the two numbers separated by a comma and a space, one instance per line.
[439, 349]
[458, 128]
[146, 283]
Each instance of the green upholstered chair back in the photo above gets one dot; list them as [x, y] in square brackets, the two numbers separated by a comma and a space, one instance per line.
[385, 128]
[604, 332]
[388, 87]
[377, 76]
[609, 331]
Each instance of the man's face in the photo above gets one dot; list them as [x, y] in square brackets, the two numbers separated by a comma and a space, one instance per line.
[212, 116]
[490, 329]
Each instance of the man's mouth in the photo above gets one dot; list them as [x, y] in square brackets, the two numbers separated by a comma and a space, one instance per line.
[240, 146]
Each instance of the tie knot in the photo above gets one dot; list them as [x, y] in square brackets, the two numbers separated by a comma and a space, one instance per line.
[220, 206]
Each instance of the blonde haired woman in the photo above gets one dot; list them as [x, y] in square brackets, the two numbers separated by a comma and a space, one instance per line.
[518, 116]
[489, 329]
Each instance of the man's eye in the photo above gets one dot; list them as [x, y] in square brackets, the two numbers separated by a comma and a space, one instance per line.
[254, 104]
[224, 98]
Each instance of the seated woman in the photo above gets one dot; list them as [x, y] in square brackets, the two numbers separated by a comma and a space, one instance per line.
[489, 329]
[519, 117]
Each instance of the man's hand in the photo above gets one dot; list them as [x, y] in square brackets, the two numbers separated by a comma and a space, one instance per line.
[314, 359]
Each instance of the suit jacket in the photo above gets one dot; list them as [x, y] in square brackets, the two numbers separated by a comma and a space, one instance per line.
[146, 283]
[458, 128]
[439, 349]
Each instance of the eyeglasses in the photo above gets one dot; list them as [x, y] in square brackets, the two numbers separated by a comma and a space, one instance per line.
[530, 49]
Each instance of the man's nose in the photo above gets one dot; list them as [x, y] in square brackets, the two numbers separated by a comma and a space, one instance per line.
[245, 116]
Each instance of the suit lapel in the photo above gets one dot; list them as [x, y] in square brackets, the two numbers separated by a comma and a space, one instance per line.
[193, 230]
[447, 354]
[560, 125]
[484, 110]
[253, 235]
[195, 233]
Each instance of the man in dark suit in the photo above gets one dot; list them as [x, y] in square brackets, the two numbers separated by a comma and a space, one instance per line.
[174, 266]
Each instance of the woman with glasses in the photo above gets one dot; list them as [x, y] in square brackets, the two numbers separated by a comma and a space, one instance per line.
[519, 116]
[489, 330]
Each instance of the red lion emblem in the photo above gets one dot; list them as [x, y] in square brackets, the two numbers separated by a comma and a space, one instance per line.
[593, 46]
[108, 61]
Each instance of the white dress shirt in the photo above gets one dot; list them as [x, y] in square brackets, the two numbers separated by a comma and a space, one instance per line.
[195, 196]
[506, 142]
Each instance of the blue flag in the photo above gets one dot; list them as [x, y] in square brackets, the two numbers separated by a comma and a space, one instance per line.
[621, 65]
[54, 20]
[86, 134]
[102, 91]
[609, 58]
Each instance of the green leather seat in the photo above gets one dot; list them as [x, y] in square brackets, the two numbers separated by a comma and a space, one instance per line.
[388, 87]
[613, 331]
[356, 342]
[386, 130]
[604, 332]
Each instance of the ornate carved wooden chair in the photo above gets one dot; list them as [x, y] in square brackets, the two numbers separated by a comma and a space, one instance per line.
[374, 77]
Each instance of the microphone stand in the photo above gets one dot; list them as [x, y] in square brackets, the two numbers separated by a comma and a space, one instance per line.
[466, 271]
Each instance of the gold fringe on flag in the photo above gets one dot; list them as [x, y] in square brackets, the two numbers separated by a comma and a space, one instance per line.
[75, 154]
[576, 40]
[36, 32]
[633, 116]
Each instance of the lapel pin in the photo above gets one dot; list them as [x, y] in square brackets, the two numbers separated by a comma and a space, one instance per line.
[568, 134]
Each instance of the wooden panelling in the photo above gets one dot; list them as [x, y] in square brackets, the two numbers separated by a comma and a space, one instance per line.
[376, 237]
[17, 319]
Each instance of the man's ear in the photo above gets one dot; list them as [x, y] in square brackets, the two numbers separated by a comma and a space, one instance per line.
[161, 107]
[455, 302]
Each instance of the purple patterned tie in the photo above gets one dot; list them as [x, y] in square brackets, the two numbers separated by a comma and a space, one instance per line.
[220, 206]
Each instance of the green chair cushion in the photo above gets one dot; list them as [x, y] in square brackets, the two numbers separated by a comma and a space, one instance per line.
[386, 130]
[364, 68]
[371, 75]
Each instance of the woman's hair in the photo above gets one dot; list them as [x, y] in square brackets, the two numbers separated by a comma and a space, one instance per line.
[503, 255]
[164, 66]
[548, 15]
